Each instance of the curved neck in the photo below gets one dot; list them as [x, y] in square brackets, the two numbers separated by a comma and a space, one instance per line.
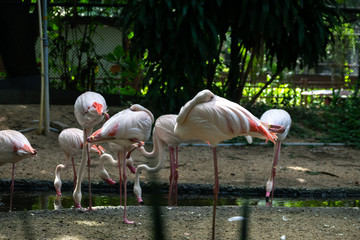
[160, 150]
[109, 158]
[157, 144]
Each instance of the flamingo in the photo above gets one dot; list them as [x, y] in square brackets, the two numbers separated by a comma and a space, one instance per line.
[14, 146]
[125, 128]
[71, 142]
[278, 117]
[213, 119]
[163, 135]
[89, 109]
[107, 157]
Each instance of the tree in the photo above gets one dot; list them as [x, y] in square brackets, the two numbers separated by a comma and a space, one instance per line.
[289, 31]
[182, 41]
[179, 38]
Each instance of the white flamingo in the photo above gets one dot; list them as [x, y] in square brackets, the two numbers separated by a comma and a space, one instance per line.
[125, 128]
[71, 142]
[163, 136]
[282, 118]
[89, 109]
[213, 119]
[14, 147]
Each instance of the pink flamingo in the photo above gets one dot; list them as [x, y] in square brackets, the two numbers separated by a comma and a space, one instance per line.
[278, 117]
[107, 157]
[71, 142]
[213, 119]
[125, 128]
[89, 109]
[163, 135]
[14, 147]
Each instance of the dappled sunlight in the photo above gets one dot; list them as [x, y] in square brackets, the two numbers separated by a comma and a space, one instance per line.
[89, 223]
[300, 169]
[301, 180]
[63, 237]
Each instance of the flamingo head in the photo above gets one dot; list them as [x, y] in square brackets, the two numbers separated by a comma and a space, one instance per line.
[26, 149]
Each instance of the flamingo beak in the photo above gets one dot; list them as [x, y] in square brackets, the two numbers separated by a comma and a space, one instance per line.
[276, 128]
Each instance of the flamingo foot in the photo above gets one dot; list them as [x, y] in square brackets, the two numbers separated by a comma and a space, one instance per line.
[77, 205]
[140, 201]
[267, 197]
[109, 181]
[127, 221]
[58, 193]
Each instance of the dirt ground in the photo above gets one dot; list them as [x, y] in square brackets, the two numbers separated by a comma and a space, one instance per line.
[300, 167]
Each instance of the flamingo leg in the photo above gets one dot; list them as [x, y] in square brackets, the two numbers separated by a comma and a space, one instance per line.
[120, 178]
[276, 158]
[270, 183]
[171, 177]
[88, 163]
[12, 186]
[216, 192]
[125, 188]
[176, 173]
[74, 170]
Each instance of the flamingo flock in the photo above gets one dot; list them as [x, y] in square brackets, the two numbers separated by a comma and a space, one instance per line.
[207, 118]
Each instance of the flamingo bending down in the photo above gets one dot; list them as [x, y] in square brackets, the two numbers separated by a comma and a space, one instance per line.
[119, 152]
[163, 135]
[14, 146]
[213, 119]
[71, 142]
[89, 109]
[278, 117]
[125, 128]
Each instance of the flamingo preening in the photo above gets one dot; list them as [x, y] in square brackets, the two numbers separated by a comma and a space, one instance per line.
[14, 146]
[282, 118]
[163, 136]
[125, 128]
[89, 109]
[213, 119]
[71, 142]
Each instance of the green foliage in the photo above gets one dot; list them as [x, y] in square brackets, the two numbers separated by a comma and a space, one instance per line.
[125, 70]
[72, 54]
[342, 122]
[183, 41]
[179, 37]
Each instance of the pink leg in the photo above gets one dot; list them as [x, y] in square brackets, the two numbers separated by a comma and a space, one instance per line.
[89, 162]
[125, 188]
[12, 186]
[120, 178]
[272, 174]
[216, 192]
[74, 170]
[176, 177]
[171, 177]
[278, 146]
